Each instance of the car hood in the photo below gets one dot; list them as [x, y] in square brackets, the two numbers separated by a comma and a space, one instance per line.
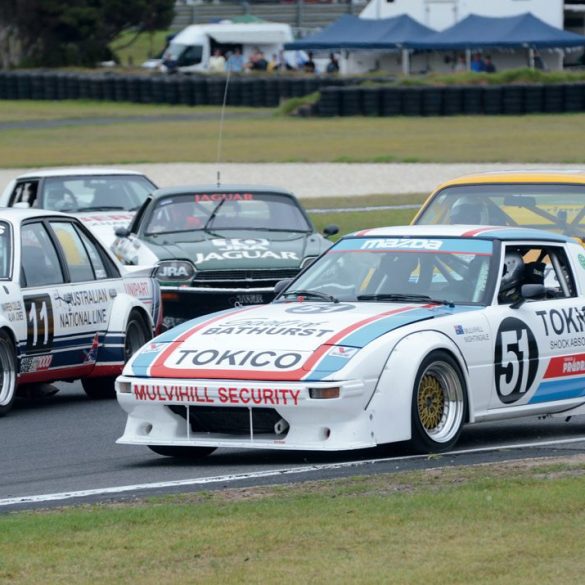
[231, 250]
[280, 341]
[103, 223]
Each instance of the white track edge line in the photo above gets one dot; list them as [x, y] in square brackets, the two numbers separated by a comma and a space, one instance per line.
[261, 474]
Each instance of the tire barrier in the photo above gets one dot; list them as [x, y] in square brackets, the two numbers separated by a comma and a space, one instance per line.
[339, 96]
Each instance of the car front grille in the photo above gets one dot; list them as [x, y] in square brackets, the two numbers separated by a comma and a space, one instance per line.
[241, 278]
[230, 421]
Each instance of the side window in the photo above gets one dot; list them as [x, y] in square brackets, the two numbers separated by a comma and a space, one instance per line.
[80, 266]
[40, 263]
[547, 266]
[24, 194]
[94, 255]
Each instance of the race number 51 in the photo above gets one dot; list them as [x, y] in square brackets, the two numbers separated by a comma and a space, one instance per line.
[515, 360]
[39, 321]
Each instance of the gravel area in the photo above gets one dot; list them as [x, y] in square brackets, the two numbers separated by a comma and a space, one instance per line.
[315, 179]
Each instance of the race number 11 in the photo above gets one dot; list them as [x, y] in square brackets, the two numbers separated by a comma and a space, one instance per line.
[39, 320]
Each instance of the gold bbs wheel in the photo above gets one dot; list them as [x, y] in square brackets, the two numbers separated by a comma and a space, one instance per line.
[439, 403]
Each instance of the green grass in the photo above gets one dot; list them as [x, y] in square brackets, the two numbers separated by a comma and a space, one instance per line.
[360, 220]
[535, 138]
[143, 47]
[516, 523]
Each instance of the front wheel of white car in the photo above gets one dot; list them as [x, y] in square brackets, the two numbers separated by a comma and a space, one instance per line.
[182, 452]
[439, 403]
[7, 373]
[137, 334]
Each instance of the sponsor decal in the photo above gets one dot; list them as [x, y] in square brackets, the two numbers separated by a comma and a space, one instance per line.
[83, 318]
[271, 327]
[77, 315]
[566, 365]
[472, 334]
[138, 289]
[13, 311]
[515, 360]
[35, 364]
[343, 352]
[106, 219]
[319, 308]
[396, 243]
[232, 395]
[91, 353]
[152, 347]
[199, 197]
[239, 358]
[564, 325]
[582, 260]
[240, 248]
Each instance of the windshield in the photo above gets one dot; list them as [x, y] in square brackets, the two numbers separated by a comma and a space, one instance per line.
[5, 250]
[95, 193]
[557, 208]
[226, 211]
[399, 269]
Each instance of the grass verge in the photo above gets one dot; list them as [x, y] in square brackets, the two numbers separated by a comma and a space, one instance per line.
[156, 137]
[519, 523]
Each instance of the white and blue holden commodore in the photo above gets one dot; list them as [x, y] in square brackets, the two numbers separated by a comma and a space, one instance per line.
[68, 311]
[393, 334]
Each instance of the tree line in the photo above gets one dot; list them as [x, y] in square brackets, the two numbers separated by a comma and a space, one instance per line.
[57, 33]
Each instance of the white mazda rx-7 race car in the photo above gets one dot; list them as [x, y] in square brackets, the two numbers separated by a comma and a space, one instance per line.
[393, 334]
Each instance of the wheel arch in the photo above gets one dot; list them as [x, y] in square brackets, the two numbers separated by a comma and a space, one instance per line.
[10, 332]
[390, 406]
[123, 306]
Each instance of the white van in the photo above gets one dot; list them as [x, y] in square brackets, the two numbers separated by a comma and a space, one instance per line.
[191, 48]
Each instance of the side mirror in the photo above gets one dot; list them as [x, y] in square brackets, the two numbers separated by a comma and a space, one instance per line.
[330, 230]
[533, 291]
[22, 205]
[528, 292]
[122, 232]
[281, 285]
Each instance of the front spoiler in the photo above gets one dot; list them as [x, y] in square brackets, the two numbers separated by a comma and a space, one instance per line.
[338, 424]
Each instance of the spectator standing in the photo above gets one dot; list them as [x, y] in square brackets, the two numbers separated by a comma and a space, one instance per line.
[460, 64]
[489, 67]
[309, 66]
[216, 62]
[274, 64]
[477, 63]
[333, 65]
[257, 61]
[235, 62]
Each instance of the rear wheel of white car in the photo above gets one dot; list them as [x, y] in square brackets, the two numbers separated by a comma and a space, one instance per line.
[7, 373]
[182, 452]
[439, 403]
[137, 334]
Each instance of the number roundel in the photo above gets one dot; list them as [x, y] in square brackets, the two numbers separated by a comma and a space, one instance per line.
[515, 360]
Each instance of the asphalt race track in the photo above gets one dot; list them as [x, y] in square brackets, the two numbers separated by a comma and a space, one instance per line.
[61, 450]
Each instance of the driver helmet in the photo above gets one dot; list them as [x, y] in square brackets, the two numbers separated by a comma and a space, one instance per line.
[512, 277]
[469, 211]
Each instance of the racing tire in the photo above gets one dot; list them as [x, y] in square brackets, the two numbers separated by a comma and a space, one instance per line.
[439, 403]
[137, 334]
[182, 452]
[7, 373]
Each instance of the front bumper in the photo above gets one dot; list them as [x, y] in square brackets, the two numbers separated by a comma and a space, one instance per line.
[243, 414]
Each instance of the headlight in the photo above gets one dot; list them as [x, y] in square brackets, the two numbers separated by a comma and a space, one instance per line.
[174, 271]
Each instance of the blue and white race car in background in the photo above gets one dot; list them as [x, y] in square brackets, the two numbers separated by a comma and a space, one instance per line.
[393, 334]
[67, 311]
